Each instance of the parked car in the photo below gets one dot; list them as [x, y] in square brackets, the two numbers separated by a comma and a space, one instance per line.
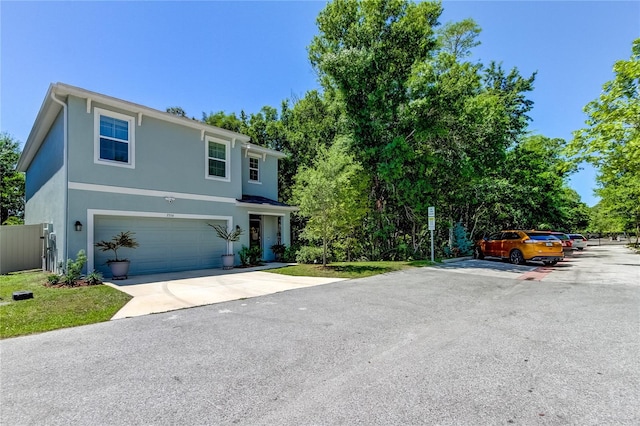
[567, 245]
[521, 246]
[578, 241]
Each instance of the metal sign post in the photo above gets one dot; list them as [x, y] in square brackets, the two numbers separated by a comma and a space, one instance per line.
[432, 226]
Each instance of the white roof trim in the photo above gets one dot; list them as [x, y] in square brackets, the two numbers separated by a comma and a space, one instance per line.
[65, 89]
[267, 213]
[262, 151]
[267, 206]
[47, 114]
[49, 111]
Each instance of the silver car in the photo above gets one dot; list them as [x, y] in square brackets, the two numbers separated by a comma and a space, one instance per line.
[578, 241]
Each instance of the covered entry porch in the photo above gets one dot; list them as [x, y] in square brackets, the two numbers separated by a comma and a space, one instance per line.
[269, 224]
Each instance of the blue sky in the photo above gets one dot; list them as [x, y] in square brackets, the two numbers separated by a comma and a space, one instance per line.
[215, 55]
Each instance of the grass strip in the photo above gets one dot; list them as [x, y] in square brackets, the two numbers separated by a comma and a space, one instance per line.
[348, 269]
[53, 308]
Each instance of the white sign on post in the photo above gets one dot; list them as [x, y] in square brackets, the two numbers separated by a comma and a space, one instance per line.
[431, 211]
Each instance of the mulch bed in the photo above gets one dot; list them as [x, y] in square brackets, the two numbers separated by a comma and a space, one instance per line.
[79, 283]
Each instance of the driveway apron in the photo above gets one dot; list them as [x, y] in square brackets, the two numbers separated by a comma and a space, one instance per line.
[178, 290]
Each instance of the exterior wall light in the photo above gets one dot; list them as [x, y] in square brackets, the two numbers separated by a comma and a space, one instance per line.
[78, 225]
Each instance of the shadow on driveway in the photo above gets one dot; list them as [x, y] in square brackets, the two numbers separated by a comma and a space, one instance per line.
[496, 265]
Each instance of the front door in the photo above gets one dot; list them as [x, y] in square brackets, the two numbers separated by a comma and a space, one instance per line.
[255, 231]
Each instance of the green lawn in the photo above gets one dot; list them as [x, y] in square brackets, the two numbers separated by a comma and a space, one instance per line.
[53, 308]
[348, 269]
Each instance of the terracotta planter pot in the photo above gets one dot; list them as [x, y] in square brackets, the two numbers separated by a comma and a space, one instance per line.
[119, 269]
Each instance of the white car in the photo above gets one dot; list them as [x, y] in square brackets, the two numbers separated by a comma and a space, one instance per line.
[578, 241]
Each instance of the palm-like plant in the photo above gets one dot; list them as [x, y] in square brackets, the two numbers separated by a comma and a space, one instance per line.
[225, 234]
[123, 239]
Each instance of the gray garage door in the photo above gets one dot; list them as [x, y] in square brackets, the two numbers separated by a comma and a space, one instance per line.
[166, 245]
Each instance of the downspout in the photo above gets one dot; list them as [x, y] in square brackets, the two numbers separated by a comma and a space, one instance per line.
[65, 202]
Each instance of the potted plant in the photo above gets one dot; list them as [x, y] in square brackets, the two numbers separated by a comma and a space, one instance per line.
[278, 250]
[229, 236]
[119, 267]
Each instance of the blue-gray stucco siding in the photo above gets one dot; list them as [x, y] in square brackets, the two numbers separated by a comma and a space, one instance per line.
[168, 157]
[268, 177]
[48, 160]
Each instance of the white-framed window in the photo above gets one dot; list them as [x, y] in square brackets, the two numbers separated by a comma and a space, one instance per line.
[217, 159]
[114, 138]
[254, 169]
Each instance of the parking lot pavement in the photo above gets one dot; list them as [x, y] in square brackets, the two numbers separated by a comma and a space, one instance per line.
[179, 290]
[488, 268]
[606, 264]
[419, 346]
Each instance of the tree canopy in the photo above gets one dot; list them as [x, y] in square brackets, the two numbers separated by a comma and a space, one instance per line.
[611, 141]
[12, 182]
[405, 109]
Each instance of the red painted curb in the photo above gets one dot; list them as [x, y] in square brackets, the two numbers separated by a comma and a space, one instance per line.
[537, 274]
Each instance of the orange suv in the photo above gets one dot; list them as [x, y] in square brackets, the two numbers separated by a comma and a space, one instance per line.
[521, 246]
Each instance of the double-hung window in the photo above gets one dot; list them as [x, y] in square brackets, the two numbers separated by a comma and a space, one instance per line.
[114, 138]
[254, 169]
[217, 159]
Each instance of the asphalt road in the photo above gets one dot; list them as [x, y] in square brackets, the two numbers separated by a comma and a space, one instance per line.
[470, 343]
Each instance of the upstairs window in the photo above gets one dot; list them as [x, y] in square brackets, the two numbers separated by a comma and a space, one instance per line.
[114, 138]
[254, 169]
[217, 159]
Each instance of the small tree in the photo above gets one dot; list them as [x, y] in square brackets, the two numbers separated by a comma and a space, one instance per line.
[73, 270]
[462, 245]
[332, 194]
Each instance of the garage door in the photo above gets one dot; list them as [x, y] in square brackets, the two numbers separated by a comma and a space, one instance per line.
[166, 245]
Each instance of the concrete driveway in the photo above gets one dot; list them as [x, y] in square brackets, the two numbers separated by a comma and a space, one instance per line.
[178, 290]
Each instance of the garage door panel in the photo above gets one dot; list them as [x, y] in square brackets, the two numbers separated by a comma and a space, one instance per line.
[165, 244]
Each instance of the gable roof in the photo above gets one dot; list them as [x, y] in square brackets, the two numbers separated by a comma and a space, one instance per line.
[50, 110]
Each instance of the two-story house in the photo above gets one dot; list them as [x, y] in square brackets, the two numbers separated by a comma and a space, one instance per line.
[96, 165]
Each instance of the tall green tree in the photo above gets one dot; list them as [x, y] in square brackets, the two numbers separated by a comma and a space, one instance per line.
[611, 141]
[458, 38]
[332, 195]
[538, 193]
[265, 127]
[465, 117]
[224, 121]
[12, 189]
[366, 50]
[429, 126]
[313, 122]
[602, 222]
[365, 53]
